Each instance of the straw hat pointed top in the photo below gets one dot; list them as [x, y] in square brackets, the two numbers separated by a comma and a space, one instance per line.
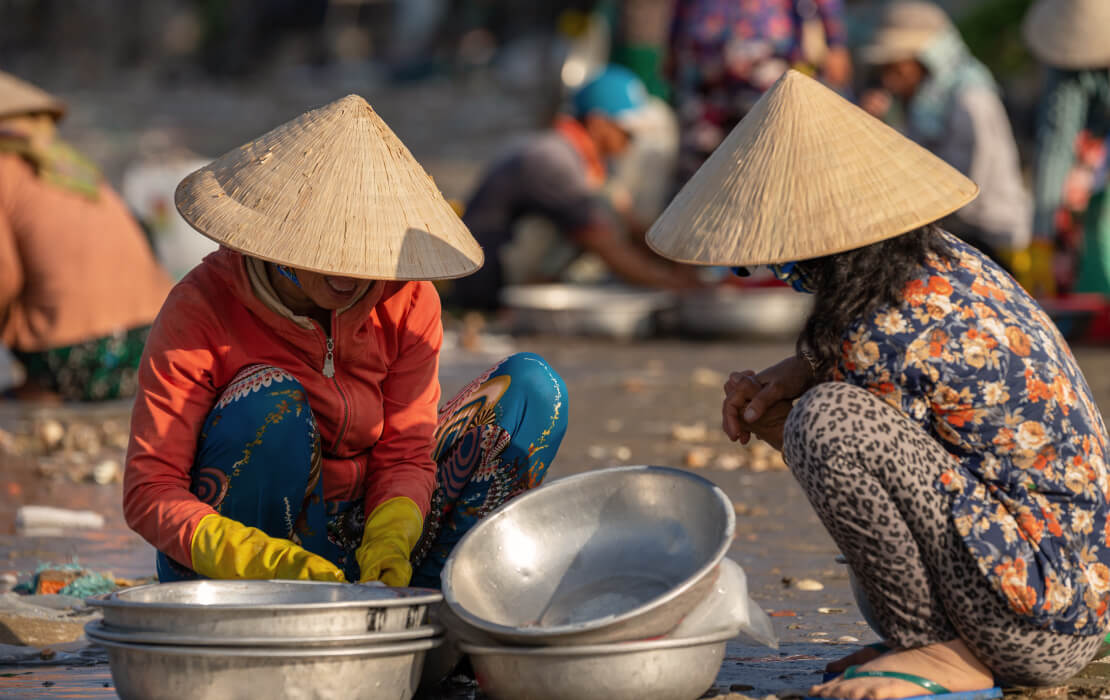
[805, 174]
[332, 191]
[1069, 33]
[19, 97]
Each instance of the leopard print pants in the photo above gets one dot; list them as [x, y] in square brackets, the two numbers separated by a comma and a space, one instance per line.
[869, 473]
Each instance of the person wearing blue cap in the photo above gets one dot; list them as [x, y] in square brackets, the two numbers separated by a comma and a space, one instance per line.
[560, 176]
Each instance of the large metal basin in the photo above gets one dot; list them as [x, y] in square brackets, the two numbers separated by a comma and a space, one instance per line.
[375, 672]
[668, 669]
[591, 310]
[612, 555]
[760, 312]
[236, 609]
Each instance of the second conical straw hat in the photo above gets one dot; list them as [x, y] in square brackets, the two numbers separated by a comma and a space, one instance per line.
[19, 97]
[805, 174]
[332, 191]
[1070, 33]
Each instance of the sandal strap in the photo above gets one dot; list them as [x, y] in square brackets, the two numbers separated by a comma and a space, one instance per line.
[932, 686]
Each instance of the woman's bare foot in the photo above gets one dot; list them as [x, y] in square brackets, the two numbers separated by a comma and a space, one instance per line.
[951, 664]
[856, 658]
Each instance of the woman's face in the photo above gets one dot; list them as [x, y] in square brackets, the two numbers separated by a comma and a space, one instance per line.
[901, 78]
[329, 292]
[611, 140]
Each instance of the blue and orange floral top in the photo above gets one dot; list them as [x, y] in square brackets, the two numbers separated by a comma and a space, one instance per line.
[974, 361]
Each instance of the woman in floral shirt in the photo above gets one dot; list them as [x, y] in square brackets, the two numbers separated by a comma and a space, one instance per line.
[933, 414]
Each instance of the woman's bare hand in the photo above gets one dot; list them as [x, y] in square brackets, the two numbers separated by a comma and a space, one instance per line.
[769, 427]
[748, 395]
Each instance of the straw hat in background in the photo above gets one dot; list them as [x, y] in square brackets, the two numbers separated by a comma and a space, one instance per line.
[1071, 34]
[332, 191]
[805, 174]
[18, 98]
[905, 29]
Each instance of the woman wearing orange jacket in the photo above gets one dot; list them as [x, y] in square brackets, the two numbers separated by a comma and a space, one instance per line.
[286, 422]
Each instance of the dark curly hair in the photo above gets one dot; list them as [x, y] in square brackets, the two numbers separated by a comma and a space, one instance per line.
[852, 285]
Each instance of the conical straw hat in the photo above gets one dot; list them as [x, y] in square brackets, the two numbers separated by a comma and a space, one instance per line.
[1070, 33]
[332, 191]
[19, 97]
[805, 174]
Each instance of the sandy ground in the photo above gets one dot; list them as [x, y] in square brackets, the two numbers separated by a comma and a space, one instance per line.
[625, 403]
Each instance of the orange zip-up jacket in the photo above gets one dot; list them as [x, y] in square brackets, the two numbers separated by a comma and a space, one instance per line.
[376, 416]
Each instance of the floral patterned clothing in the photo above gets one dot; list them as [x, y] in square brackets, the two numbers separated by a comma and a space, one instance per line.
[725, 53]
[971, 358]
[721, 40]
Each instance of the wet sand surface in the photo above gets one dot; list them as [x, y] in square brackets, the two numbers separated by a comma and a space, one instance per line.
[626, 400]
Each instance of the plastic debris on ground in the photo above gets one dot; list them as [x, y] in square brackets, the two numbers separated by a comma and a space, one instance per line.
[47, 520]
[70, 579]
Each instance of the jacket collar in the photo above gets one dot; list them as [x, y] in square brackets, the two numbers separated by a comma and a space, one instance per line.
[247, 278]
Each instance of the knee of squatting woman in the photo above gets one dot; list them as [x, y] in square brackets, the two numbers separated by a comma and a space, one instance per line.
[933, 414]
[286, 424]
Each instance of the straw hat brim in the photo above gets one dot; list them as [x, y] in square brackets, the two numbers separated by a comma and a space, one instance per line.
[333, 191]
[805, 174]
[896, 44]
[1073, 34]
[18, 97]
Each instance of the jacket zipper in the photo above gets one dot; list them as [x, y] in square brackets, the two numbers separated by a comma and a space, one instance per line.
[329, 359]
[329, 372]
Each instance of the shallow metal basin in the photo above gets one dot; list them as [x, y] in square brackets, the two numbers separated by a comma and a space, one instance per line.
[236, 609]
[611, 555]
[373, 672]
[592, 310]
[668, 669]
[760, 312]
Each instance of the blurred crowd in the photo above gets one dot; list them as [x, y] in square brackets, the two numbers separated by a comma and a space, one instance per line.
[698, 66]
[642, 93]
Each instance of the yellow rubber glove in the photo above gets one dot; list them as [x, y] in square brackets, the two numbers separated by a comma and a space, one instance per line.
[391, 532]
[225, 549]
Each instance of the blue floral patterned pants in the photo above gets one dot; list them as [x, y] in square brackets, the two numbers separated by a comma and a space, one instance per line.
[259, 462]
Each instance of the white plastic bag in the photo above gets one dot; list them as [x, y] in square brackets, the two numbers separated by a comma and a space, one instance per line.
[728, 607]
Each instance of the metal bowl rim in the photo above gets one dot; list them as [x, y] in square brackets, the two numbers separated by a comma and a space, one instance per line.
[603, 622]
[279, 653]
[632, 298]
[101, 630]
[599, 649]
[112, 600]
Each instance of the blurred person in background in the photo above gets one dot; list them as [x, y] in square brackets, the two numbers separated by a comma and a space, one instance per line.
[561, 175]
[1072, 39]
[952, 107]
[723, 54]
[79, 285]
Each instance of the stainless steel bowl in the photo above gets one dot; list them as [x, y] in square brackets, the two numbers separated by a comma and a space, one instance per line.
[594, 310]
[611, 555]
[100, 630]
[769, 313]
[376, 672]
[667, 669]
[234, 609]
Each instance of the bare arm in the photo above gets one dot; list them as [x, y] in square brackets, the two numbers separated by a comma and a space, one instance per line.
[635, 265]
